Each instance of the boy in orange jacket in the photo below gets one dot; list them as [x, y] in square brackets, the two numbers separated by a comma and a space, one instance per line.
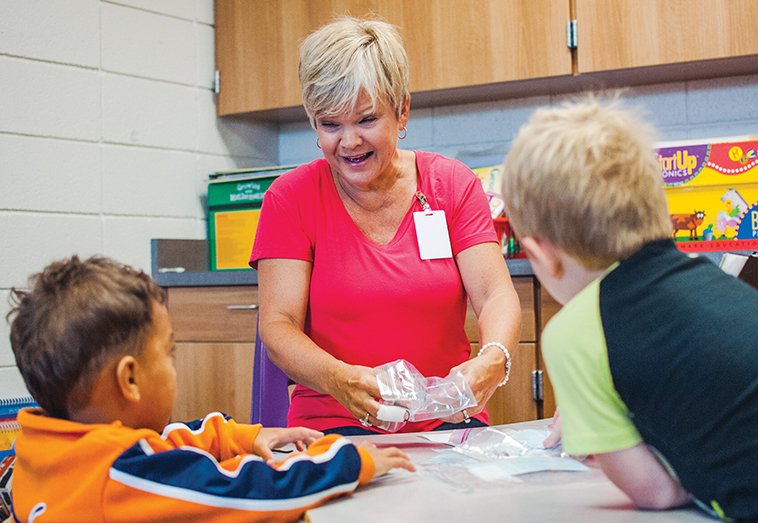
[94, 344]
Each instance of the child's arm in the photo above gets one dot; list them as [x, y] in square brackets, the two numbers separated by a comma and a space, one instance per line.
[642, 477]
[224, 438]
[375, 462]
[272, 438]
[386, 459]
[156, 481]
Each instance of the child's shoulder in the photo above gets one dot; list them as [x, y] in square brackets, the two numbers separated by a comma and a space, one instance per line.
[579, 319]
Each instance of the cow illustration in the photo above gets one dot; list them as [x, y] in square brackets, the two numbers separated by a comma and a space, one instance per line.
[688, 222]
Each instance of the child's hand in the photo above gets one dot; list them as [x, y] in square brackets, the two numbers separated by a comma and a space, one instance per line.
[270, 438]
[555, 431]
[386, 459]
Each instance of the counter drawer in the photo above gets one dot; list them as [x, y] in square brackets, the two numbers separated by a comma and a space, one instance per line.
[214, 313]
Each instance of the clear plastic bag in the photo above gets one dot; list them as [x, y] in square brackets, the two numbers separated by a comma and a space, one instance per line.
[402, 385]
[493, 443]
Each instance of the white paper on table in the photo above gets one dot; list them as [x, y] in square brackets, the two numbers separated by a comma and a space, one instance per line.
[489, 472]
[527, 464]
[531, 438]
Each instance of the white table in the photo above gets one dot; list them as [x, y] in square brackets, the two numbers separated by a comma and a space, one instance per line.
[543, 497]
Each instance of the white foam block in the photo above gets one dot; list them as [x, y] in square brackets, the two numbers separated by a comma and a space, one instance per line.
[392, 413]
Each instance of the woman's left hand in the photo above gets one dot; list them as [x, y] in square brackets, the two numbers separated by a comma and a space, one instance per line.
[483, 374]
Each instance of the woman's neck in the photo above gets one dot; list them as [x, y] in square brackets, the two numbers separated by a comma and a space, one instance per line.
[395, 184]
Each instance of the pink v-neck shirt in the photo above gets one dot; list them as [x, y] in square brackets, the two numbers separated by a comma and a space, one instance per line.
[371, 304]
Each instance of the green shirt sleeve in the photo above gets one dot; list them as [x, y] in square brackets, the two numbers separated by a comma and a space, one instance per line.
[594, 419]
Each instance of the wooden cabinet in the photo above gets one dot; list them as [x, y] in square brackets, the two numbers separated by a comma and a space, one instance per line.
[489, 49]
[450, 44]
[516, 400]
[546, 308]
[214, 329]
[623, 34]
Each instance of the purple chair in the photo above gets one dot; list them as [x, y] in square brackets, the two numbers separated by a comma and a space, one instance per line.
[270, 396]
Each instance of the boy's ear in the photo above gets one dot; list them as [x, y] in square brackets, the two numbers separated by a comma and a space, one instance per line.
[544, 253]
[126, 376]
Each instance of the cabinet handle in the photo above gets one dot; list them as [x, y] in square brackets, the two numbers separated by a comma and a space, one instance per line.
[241, 307]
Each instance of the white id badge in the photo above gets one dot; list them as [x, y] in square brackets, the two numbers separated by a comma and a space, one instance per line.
[432, 235]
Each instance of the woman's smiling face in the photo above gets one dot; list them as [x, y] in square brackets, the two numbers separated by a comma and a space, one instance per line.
[360, 146]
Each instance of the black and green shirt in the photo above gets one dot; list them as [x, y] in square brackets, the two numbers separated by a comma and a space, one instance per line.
[664, 349]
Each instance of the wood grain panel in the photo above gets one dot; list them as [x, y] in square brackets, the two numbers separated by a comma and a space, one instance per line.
[525, 289]
[213, 377]
[622, 34]
[513, 402]
[202, 313]
[449, 43]
[548, 308]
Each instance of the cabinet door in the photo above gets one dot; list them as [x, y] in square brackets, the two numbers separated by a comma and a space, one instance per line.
[514, 402]
[620, 34]
[548, 307]
[450, 44]
[525, 289]
[215, 331]
[213, 377]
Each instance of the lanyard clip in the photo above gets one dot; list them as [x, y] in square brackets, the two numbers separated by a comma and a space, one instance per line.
[422, 200]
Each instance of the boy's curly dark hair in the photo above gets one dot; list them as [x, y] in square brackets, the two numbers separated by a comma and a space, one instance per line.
[75, 316]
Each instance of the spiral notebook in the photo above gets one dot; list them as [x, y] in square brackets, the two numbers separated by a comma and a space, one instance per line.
[9, 427]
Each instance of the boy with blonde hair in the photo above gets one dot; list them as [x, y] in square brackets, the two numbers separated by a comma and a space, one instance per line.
[94, 344]
[654, 371]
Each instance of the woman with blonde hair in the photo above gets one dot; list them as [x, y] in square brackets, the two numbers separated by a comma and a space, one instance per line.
[369, 254]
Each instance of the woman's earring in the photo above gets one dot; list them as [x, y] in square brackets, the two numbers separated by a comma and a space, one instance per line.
[318, 144]
[403, 133]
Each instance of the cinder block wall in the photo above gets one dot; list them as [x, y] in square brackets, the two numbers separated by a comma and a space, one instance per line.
[482, 132]
[107, 133]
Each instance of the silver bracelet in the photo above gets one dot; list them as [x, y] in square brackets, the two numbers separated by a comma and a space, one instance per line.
[507, 358]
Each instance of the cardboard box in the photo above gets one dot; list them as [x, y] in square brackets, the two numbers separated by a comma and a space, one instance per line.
[234, 203]
[712, 192]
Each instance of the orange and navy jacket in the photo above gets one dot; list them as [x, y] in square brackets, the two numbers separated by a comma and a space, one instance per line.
[198, 471]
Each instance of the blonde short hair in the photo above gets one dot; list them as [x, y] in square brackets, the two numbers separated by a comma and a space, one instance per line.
[347, 56]
[584, 176]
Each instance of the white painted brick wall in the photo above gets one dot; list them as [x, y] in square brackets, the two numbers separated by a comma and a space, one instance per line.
[205, 55]
[149, 182]
[178, 8]
[6, 357]
[216, 136]
[130, 36]
[11, 380]
[107, 134]
[46, 99]
[125, 237]
[204, 11]
[149, 112]
[49, 174]
[32, 240]
[64, 32]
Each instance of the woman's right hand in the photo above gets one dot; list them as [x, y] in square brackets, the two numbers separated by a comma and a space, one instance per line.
[356, 389]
